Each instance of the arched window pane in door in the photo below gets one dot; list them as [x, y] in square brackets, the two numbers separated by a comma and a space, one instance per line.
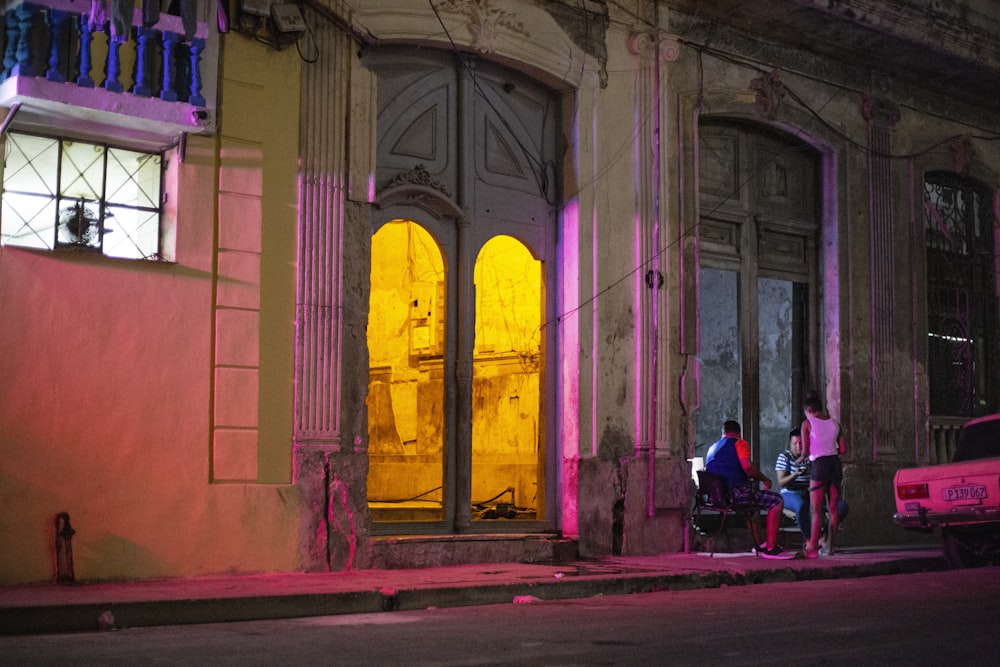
[406, 377]
[507, 479]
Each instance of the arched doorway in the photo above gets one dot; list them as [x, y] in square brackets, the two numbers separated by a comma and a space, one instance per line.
[758, 317]
[463, 276]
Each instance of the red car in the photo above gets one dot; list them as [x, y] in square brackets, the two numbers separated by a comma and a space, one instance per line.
[962, 497]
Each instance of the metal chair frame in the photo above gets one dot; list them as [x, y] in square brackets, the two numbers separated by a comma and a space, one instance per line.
[713, 494]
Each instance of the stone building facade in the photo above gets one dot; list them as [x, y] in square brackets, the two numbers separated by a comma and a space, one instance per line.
[480, 280]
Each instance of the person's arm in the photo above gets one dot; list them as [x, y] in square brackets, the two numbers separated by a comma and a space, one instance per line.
[749, 467]
[785, 477]
[806, 429]
[841, 443]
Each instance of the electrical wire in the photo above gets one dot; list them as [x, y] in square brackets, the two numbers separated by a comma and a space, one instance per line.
[540, 168]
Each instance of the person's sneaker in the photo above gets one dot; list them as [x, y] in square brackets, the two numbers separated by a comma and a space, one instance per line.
[775, 553]
[826, 551]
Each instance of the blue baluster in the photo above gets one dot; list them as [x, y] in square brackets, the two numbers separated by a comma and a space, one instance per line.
[57, 45]
[10, 52]
[197, 46]
[86, 61]
[143, 50]
[26, 13]
[114, 67]
[167, 91]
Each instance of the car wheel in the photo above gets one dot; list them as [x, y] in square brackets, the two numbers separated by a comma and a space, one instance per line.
[958, 548]
[971, 546]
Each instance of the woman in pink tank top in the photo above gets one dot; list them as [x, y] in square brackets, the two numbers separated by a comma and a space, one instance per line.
[822, 444]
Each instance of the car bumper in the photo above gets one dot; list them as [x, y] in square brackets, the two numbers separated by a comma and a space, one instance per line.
[925, 518]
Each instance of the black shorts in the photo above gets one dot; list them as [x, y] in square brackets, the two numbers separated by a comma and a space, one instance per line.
[826, 470]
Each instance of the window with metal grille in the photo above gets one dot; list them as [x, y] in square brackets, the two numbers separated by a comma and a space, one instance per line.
[73, 195]
[963, 353]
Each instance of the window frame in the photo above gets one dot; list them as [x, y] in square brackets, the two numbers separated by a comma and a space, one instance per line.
[983, 360]
[58, 196]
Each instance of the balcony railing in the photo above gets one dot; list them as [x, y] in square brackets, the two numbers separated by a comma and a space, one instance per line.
[68, 70]
[944, 432]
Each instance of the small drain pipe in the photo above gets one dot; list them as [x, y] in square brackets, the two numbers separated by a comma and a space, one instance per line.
[64, 550]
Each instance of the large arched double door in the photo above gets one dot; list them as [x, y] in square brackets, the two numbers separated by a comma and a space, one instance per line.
[462, 287]
[758, 296]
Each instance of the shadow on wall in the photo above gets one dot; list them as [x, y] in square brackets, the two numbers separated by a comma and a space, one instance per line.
[111, 557]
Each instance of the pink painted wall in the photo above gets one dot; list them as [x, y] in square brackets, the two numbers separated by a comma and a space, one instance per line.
[108, 381]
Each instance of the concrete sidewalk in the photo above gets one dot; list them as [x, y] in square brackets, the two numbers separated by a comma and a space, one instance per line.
[105, 606]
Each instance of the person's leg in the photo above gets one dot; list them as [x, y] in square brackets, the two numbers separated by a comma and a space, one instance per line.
[834, 517]
[817, 493]
[798, 502]
[773, 523]
[842, 509]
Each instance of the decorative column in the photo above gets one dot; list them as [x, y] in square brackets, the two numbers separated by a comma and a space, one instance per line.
[321, 221]
[881, 116]
[331, 364]
[647, 281]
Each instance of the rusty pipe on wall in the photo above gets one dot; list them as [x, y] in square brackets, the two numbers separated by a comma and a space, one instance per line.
[64, 549]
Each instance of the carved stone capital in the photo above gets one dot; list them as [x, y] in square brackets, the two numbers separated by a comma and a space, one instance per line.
[961, 153]
[768, 91]
[670, 49]
[879, 111]
[641, 44]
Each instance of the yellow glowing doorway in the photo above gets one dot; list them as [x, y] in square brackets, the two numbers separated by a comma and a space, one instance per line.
[507, 415]
[406, 425]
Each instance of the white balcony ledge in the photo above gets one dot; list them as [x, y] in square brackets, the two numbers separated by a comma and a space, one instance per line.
[68, 76]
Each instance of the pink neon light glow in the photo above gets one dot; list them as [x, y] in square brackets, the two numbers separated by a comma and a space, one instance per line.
[568, 409]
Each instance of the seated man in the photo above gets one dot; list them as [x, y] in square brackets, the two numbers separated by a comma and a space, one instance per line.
[730, 458]
[793, 478]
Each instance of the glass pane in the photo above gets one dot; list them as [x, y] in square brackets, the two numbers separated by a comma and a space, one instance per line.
[406, 387]
[82, 171]
[720, 367]
[131, 233]
[133, 178]
[777, 330]
[507, 447]
[29, 221]
[30, 164]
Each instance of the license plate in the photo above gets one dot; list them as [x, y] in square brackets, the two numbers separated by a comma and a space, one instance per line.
[967, 492]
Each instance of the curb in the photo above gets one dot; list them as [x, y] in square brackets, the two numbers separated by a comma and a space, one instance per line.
[90, 616]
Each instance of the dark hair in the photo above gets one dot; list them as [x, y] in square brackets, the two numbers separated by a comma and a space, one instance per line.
[794, 432]
[812, 402]
[731, 426]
